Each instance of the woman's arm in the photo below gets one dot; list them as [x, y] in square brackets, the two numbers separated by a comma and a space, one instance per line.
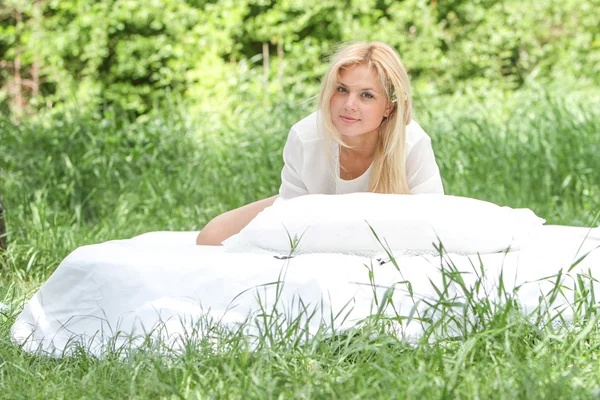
[422, 171]
[292, 184]
[232, 222]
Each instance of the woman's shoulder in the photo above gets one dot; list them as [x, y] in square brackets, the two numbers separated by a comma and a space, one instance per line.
[308, 129]
[415, 133]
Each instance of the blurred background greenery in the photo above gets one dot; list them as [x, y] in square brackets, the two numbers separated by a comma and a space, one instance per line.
[119, 117]
[214, 55]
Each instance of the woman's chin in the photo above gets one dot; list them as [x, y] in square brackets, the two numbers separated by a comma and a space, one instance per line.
[348, 131]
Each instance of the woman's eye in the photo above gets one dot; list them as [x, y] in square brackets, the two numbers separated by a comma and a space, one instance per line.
[367, 95]
[341, 89]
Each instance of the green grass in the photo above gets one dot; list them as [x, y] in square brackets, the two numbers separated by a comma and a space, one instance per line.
[71, 179]
[497, 352]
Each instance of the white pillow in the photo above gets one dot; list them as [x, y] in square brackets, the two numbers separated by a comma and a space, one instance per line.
[340, 223]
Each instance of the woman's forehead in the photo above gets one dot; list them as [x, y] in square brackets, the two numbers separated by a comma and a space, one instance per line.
[359, 75]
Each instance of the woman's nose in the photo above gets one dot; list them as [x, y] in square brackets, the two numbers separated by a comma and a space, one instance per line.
[350, 102]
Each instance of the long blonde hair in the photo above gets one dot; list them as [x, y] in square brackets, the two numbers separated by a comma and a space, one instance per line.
[389, 173]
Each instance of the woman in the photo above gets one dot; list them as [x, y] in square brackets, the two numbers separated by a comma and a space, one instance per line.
[362, 139]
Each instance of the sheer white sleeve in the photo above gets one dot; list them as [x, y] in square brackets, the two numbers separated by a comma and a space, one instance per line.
[422, 171]
[292, 184]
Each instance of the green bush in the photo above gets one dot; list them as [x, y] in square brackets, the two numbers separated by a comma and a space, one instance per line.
[137, 54]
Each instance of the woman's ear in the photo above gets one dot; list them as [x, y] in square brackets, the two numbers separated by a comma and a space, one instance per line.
[390, 107]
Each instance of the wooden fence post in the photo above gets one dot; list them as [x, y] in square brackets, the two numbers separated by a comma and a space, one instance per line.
[3, 240]
[266, 61]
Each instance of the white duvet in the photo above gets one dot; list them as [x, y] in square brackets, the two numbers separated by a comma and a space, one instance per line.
[114, 293]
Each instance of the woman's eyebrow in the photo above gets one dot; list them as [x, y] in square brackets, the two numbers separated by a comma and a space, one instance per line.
[343, 84]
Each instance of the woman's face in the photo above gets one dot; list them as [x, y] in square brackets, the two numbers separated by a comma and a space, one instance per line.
[359, 103]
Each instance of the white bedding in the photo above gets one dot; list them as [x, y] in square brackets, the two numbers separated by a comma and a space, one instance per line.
[121, 289]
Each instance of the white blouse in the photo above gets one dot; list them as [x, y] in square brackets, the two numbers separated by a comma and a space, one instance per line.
[308, 166]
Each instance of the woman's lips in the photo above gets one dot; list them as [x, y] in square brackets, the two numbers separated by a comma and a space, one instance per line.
[349, 120]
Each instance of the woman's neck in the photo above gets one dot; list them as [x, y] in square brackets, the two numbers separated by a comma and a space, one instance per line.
[362, 147]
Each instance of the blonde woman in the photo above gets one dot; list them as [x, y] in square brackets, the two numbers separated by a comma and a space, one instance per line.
[362, 138]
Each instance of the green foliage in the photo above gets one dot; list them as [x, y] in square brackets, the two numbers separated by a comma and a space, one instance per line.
[137, 54]
[127, 53]
[526, 150]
